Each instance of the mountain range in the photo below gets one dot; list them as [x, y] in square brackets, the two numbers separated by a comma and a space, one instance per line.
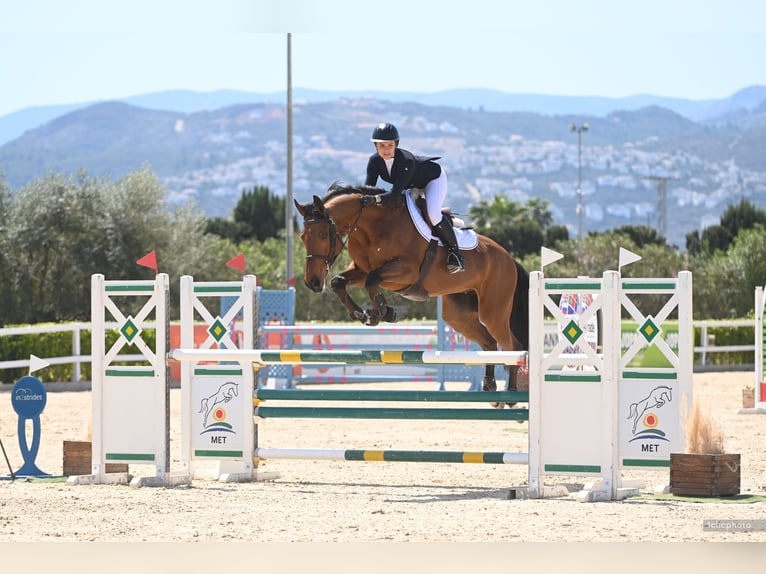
[207, 147]
[743, 102]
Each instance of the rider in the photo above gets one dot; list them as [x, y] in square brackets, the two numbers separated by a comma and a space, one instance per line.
[404, 170]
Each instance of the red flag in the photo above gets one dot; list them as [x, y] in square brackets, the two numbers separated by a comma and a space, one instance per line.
[149, 260]
[291, 282]
[237, 263]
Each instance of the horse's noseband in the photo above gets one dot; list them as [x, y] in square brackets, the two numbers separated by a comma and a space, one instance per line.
[329, 259]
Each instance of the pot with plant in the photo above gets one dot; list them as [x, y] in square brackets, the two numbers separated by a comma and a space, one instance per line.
[748, 396]
[705, 469]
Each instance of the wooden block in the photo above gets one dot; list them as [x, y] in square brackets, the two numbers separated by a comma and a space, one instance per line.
[78, 459]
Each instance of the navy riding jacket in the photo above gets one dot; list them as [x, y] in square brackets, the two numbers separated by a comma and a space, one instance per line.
[407, 171]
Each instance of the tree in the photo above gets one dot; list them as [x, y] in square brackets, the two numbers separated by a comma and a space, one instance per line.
[641, 235]
[736, 218]
[521, 229]
[744, 215]
[61, 230]
[258, 215]
[556, 234]
[716, 238]
[724, 283]
[6, 278]
[599, 252]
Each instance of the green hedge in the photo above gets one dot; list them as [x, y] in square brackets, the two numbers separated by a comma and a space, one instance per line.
[724, 337]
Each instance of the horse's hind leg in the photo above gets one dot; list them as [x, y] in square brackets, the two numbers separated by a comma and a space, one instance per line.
[460, 311]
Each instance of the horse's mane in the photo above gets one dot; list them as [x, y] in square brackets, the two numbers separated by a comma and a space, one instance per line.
[337, 189]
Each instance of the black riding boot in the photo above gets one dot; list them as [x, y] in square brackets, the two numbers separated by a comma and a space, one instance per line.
[446, 233]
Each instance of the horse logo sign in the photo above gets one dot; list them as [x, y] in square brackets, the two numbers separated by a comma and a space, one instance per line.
[224, 394]
[656, 400]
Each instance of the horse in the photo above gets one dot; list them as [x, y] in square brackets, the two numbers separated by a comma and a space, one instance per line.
[488, 302]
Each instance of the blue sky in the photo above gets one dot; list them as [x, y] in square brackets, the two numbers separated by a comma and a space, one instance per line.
[57, 52]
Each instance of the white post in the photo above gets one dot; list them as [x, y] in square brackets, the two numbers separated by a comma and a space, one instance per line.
[98, 350]
[610, 383]
[76, 376]
[759, 383]
[186, 342]
[536, 350]
[685, 342]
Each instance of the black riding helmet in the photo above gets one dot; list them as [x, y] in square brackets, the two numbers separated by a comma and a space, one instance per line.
[385, 132]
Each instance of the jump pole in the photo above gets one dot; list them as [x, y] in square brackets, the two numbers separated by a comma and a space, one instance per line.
[264, 357]
[392, 455]
[760, 353]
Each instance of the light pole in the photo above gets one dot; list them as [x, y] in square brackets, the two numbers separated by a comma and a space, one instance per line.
[289, 235]
[583, 128]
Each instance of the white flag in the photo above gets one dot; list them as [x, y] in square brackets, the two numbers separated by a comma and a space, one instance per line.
[36, 363]
[548, 256]
[628, 257]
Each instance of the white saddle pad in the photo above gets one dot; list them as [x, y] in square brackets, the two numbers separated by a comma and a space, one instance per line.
[466, 238]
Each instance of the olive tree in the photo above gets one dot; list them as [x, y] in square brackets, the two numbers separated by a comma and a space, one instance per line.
[62, 229]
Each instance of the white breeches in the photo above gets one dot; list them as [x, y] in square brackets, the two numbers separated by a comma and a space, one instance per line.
[435, 192]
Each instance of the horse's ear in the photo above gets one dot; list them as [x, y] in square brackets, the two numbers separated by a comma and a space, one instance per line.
[318, 205]
[300, 207]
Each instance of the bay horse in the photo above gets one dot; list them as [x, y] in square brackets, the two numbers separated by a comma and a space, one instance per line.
[488, 303]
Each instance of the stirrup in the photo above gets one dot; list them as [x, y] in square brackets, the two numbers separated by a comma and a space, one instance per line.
[454, 263]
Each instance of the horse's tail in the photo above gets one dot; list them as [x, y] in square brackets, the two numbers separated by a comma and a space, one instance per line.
[520, 311]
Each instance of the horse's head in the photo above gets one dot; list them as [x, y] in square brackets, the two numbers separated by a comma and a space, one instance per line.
[322, 241]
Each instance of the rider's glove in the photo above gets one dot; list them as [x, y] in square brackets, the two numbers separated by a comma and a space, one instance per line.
[368, 200]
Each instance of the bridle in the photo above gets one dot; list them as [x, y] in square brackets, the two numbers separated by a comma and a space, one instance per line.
[335, 236]
[329, 259]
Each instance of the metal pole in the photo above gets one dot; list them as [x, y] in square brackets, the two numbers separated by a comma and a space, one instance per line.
[582, 128]
[662, 193]
[579, 184]
[8, 462]
[289, 232]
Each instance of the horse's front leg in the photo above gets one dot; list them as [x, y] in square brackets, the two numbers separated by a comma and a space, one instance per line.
[380, 308]
[392, 271]
[352, 276]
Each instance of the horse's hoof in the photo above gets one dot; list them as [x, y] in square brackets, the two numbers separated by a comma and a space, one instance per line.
[489, 385]
[370, 319]
[360, 316]
[390, 316]
[496, 405]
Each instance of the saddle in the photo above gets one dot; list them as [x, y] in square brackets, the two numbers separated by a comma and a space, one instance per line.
[416, 292]
[418, 195]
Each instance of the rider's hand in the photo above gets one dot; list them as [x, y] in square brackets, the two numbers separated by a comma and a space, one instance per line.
[368, 200]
